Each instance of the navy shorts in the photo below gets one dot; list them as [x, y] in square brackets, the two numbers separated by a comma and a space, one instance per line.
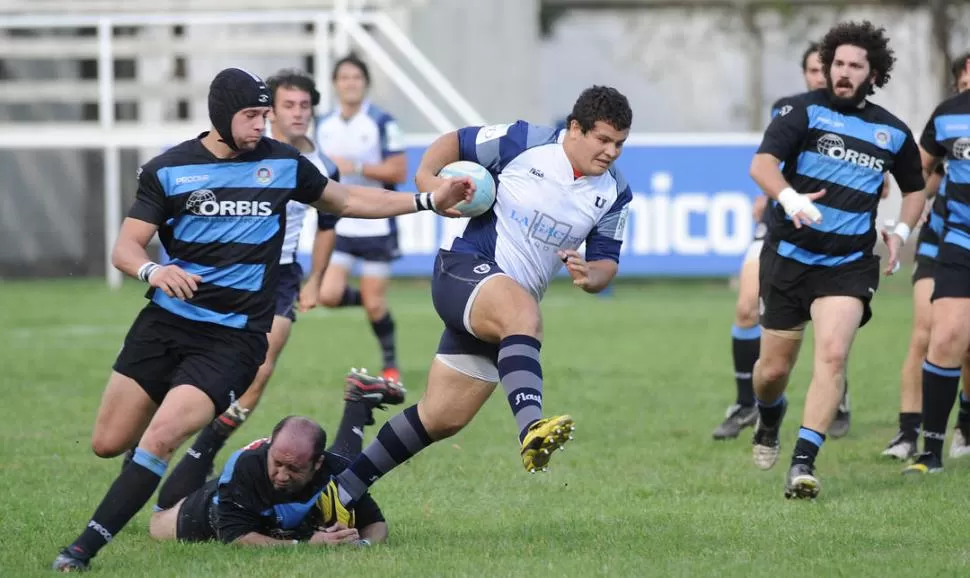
[163, 350]
[455, 283]
[288, 289]
[383, 249]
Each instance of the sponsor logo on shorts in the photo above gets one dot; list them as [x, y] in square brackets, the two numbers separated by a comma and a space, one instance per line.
[482, 269]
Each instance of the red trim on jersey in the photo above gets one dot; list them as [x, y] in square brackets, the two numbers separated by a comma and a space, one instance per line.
[576, 173]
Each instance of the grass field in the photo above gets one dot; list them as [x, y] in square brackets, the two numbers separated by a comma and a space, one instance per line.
[643, 490]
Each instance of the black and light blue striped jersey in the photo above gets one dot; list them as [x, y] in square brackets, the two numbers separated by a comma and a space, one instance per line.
[947, 136]
[928, 243]
[224, 220]
[846, 152]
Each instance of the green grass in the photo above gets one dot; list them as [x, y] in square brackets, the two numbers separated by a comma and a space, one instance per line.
[643, 490]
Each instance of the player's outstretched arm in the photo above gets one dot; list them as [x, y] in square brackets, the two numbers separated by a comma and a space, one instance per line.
[375, 533]
[257, 539]
[374, 203]
[442, 152]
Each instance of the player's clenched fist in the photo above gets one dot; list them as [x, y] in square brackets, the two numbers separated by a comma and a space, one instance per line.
[174, 281]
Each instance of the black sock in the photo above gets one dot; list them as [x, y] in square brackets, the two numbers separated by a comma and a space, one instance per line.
[384, 330]
[845, 396]
[520, 371]
[807, 447]
[191, 471]
[129, 492]
[350, 432]
[909, 425]
[745, 347]
[400, 438]
[350, 298]
[772, 413]
[963, 416]
[940, 385]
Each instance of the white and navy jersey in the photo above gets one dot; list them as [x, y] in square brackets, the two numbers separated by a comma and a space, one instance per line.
[221, 219]
[541, 207]
[296, 212]
[368, 137]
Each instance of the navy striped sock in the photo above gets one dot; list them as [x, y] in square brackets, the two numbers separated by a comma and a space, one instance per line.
[400, 438]
[940, 385]
[520, 372]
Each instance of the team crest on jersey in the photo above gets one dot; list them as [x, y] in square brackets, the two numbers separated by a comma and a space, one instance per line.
[882, 138]
[961, 149]
[600, 202]
[264, 175]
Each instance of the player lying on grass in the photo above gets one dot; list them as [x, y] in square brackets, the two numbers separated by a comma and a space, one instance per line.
[274, 491]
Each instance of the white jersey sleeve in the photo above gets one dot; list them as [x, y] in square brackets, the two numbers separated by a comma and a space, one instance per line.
[606, 238]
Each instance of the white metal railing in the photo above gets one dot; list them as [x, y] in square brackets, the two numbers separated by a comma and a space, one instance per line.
[111, 137]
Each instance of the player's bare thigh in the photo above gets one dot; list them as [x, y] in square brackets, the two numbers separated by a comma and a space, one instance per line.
[276, 340]
[164, 524]
[922, 314]
[501, 307]
[125, 411]
[836, 320]
[746, 309]
[451, 400]
[334, 283]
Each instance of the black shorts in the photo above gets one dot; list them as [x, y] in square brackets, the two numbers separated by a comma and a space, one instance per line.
[288, 290]
[927, 249]
[951, 275]
[788, 288]
[194, 523]
[383, 249]
[163, 350]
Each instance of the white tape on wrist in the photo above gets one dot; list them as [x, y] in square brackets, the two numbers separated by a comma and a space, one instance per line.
[146, 270]
[902, 230]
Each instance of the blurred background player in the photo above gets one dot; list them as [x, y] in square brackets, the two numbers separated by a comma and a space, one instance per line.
[294, 96]
[947, 137]
[269, 493]
[746, 332]
[366, 144]
[903, 445]
[818, 264]
[488, 280]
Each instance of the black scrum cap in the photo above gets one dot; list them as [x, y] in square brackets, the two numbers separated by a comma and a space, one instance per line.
[232, 90]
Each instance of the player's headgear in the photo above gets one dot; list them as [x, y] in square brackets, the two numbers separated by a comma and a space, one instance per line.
[232, 90]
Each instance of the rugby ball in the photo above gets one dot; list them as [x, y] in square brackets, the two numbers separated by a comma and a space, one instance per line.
[484, 195]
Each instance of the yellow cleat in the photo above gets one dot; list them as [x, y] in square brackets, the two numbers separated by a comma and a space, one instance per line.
[332, 511]
[544, 437]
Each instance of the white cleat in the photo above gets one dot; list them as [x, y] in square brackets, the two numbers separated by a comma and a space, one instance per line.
[960, 446]
[765, 457]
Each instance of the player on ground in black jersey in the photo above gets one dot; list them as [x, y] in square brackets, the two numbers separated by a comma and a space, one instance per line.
[273, 491]
[218, 203]
[818, 263]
